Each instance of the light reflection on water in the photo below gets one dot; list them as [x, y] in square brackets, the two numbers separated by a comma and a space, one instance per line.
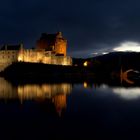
[61, 90]
[57, 93]
[126, 93]
[75, 109]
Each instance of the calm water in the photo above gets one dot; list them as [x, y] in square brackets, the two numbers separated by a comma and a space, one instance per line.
[66, 110]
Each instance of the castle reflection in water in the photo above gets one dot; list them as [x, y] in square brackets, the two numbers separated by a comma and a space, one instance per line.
[56, 93]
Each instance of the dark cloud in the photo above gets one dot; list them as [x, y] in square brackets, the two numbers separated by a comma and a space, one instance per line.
[89, 25]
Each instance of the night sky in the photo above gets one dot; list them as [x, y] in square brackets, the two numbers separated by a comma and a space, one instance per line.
[90, 26]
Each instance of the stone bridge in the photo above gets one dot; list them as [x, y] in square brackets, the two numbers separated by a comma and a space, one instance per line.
[124, 76]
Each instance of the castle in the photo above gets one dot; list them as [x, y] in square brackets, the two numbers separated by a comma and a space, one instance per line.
[49, 49]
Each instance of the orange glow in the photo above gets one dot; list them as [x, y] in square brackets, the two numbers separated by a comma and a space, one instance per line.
[19, 59]
[124, 76]
[85, 64]
[85, 85]
[41, 57]
[60, 103]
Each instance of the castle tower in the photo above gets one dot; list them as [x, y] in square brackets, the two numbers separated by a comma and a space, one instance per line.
[52, 42]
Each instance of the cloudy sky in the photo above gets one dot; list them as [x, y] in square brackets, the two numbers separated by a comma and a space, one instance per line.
[90, 26]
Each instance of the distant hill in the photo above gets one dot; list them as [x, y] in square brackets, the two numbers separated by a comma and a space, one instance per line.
[113, 60]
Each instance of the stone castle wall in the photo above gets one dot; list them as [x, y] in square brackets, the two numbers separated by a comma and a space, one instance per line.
[7, 58]
[43, 57]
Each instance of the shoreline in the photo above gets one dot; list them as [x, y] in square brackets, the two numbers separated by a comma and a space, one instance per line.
[21, 73]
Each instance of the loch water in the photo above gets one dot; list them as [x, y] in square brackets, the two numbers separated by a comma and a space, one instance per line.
[68, 111]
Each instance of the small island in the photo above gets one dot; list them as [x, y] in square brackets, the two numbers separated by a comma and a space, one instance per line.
[48, 61]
